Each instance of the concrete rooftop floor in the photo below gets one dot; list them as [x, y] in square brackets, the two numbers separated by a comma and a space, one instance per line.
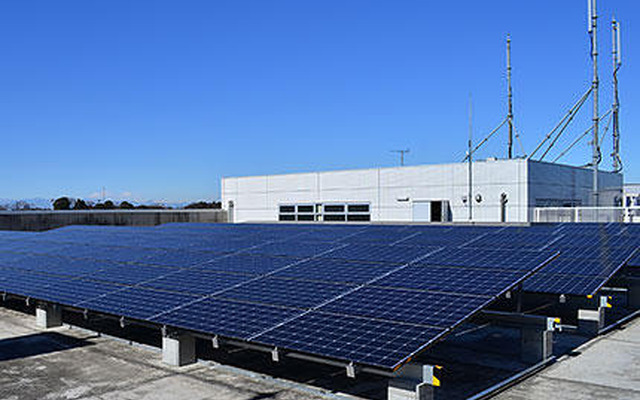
[607, 367]
[65, 363]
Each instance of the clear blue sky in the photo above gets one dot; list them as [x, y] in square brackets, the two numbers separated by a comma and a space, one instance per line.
[159, 99]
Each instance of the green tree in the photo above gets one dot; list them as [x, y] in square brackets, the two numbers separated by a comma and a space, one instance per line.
[109, 205]
[62, 203]
[80, 205]
[125, 205]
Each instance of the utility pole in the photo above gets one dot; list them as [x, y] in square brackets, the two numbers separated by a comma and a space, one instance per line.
[617, 62]
[593, 31]
[510, 112]
[470, 157]
[402, 153]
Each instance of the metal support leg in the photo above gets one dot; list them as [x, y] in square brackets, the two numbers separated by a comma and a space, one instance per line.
[414, 382]
[591, 321]
[48, 316]
[537, 344]
[633, 294]
[178, 349]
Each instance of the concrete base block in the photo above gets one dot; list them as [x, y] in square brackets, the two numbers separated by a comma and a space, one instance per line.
[590, 321]
[537, 344]
[179, 350]
[48, 316]
[414, 382]
[408, 390]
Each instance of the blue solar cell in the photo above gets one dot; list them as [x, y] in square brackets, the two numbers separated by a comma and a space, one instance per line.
[564, 284]
[603, 255]
[294, 249]
[130, 274]
[51, 288]
[441, 238]
[137, 303]
[635, 260]
[247, 264]
[512, 240]
[178, 258]
[56, 265]
[367, 341]
[382, 237]
[72, 292]
[579, 266]
[412, 306]
[196, 282]
[452, 279]
[8, 259]
[338, 271]
[227, 318]
[489, 258]
[286, 292]
[380, 253]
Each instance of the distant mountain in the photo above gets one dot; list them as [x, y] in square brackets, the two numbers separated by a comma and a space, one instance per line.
[39, 203]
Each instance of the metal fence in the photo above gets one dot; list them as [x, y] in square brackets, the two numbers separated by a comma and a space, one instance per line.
[587, 214]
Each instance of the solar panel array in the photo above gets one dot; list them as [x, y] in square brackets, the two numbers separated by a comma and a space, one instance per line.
[374, 295]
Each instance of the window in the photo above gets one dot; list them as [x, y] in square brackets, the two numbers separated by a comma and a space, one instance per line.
[359, 217]
[334, 208]
[358, 208]
[287, 209]
[305, 209]
[333, 212]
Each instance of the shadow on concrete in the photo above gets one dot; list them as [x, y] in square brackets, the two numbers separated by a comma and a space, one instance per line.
[37, 344]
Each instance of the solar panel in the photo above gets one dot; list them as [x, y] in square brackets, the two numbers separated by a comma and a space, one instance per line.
[635, 260]
[451, 279]
[339, 271]
[247, 264]
[227, 318]
[343, 292]
[127, 274]
[488, 258]
[563, 284]
[195, 282]
[289, 249]
[286, 292]
[136, 303]
[381, 253]
[362, 340]
[410, 306]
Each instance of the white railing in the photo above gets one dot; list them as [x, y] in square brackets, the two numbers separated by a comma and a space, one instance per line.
[587, 214]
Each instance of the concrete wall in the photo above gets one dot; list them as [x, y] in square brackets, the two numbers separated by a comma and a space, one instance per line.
[43, 220]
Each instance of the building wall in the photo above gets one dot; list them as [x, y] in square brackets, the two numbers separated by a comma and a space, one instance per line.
[631, 195]
[566, 184]
[391, 192]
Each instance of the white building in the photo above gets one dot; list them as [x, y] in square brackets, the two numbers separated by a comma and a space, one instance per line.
[503, 190]
[631, 195]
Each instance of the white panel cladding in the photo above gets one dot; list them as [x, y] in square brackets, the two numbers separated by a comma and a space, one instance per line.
[253, 184]
[293, 183]
[352, 179]
[562, 182]
[391, 191]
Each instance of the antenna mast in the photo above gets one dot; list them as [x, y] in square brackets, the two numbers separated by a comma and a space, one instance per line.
[593, 26]
[617, 62]
[470, 156]
[402, 153]
[510, 112]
